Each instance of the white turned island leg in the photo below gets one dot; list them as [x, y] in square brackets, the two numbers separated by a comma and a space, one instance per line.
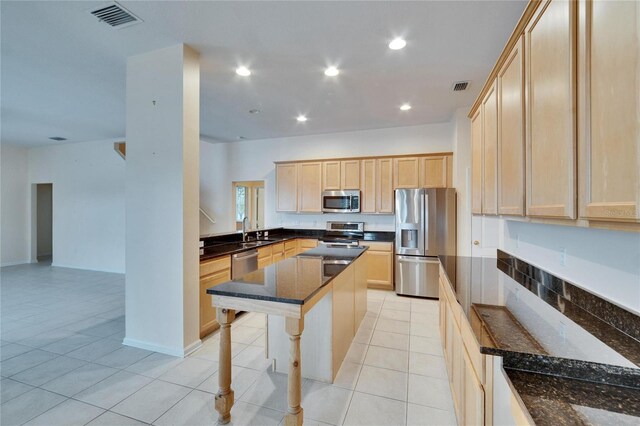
[224, 397]
[294, 415]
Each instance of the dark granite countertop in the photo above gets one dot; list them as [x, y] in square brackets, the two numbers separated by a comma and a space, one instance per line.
[562, 347]
[294, 280]
[510, 312]
[226, 244]
[557, 401]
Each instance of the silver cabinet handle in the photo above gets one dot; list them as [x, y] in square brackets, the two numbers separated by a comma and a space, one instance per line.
[476, 243]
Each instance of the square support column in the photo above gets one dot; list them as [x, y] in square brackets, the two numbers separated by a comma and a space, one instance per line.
[162, 200]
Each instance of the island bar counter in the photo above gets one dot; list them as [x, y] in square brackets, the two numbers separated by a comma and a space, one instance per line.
[333, 279]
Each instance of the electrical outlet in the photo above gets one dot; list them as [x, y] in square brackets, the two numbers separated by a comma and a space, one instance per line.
[517, 294]
[563, 256]
[517, 240]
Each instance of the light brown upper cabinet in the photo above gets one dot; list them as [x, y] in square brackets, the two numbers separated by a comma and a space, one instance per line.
[510, 82]
[376, 185]
[384, 185]
[490, 152]
[476, 162]
[337, 175]
[350, 174]
[331, 175]
[286, 187]
[406, 172]
[368, 186]
[550, 93]
[609, 120]
[310, 187]
[435, 172]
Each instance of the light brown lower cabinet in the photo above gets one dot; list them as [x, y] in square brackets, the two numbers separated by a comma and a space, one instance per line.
[305, 244]
[212, 272]
[470, 373]
[290, 248]
[264, 257]
[379, 260]
[277, 252]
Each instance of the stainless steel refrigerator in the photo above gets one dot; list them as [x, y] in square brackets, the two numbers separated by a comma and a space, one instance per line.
[425, 229]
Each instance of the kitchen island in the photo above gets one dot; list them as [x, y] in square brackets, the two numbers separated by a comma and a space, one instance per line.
[326, 287]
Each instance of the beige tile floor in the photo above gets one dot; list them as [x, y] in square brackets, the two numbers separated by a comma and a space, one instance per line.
[62, 363]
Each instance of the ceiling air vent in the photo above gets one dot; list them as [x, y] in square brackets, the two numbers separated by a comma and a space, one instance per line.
[459, 86]
[57, 138]
[115, 15]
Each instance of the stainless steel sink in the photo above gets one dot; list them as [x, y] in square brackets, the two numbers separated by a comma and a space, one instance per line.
[250, 244]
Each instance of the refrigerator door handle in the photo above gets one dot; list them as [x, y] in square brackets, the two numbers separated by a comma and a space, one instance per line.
[426, 222]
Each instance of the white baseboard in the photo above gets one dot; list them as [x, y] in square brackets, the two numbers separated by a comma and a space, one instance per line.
[60, 265]
[21, 262]
[168, 350]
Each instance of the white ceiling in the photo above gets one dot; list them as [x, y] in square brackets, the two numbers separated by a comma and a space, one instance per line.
[63, 72]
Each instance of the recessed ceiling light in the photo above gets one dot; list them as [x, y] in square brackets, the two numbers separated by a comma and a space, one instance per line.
[397, 43]
[254, 111]
[331, 71]
[243, 71]
[301, 118]
[405, 107]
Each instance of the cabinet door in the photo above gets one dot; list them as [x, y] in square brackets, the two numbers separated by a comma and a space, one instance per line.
[208, 322]
[310, 188]
[473, 395]
[490, 152]
[350, 174]
[511, 133]
[550, 108]
[434, 172]
[379, 269]
[331, 175]
[406, 172]
[343, 315]
[609, 110]
[286, 187]
[476, 162]
[360, 293]
[384, 186]
[368, 186]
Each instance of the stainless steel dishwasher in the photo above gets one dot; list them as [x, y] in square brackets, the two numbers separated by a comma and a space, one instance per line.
[243, 263]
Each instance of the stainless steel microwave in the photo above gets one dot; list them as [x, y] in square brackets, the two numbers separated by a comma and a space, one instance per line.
[341, 201]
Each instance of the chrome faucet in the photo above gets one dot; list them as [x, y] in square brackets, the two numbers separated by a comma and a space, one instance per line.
[244, 228]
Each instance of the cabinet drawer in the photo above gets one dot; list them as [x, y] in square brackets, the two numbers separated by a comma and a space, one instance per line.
[264, 252]
[308, 243]
[290, 245]
[277, 257]
[265, 261]
[377, 246]
[215, 279]
[277, 248]
[473, 351]
[214, 265]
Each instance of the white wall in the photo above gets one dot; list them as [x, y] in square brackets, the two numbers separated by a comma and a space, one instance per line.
[88, 203]
[253, 160]
[601, 261]
[462, 179]
[215, 187]
[162, 173]
[14, 199]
